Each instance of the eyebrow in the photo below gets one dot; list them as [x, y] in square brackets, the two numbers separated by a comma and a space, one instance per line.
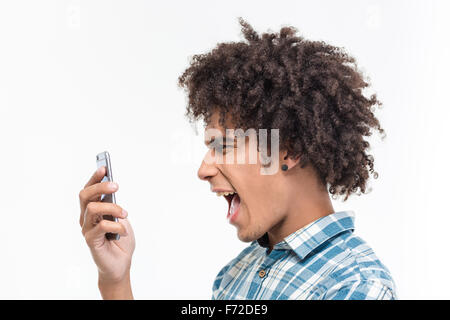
[227, 140]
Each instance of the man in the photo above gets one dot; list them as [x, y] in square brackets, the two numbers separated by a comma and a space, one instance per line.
[311, 94]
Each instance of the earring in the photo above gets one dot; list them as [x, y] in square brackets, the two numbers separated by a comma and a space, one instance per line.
[284, 167]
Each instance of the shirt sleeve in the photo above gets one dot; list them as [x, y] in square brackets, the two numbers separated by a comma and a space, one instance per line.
[360, 290]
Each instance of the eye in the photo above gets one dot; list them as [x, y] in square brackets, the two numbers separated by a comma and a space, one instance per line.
[226, 147]
[220, 148]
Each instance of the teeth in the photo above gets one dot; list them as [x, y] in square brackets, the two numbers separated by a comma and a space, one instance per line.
[219, 194]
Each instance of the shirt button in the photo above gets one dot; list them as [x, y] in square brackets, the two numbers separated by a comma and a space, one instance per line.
[262, 273]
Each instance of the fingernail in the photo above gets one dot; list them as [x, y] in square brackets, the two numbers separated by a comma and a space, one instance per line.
[113, 186]
[124, 213]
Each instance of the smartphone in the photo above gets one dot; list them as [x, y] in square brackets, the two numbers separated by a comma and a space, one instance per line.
[104, 160]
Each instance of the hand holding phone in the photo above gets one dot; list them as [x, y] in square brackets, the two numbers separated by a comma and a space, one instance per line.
[102, 219]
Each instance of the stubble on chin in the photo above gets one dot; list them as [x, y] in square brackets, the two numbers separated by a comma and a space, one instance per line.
[250, 234]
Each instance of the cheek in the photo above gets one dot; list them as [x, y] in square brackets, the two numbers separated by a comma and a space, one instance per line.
[259, 210]
[265, 202]
[258, 192]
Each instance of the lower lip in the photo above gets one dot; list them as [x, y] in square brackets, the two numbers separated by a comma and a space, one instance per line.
[232, 218]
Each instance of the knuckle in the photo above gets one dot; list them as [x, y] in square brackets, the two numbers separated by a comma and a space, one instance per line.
[103, 225]
[81, 195]
[91, 207]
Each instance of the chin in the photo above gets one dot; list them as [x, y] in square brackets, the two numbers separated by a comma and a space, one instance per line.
[245, 238]
[248, 236]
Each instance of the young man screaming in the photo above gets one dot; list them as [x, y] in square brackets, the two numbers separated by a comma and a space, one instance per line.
[307, 97]
[311, 93]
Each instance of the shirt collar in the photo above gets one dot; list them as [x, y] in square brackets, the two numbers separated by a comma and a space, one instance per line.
[309, 237]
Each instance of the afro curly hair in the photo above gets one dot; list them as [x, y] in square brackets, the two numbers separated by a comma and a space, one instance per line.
[311, 91]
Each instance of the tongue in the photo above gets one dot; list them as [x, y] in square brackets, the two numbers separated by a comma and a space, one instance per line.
[235, 202]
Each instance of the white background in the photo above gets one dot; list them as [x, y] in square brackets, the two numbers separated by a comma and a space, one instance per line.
[80, 77]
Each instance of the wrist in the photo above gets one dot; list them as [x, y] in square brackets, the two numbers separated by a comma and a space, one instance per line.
[115, 289]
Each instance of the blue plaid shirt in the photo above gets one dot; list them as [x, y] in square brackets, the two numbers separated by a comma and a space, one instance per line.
[323, 260]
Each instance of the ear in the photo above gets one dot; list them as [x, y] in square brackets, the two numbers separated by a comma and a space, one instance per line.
[290, 162]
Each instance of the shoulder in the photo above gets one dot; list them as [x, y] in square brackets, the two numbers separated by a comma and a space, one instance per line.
[358, 274]
[362, 289]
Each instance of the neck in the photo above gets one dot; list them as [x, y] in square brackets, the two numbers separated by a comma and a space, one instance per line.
[308, 201]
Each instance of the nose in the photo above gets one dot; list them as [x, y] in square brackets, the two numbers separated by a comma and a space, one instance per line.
[206, 170]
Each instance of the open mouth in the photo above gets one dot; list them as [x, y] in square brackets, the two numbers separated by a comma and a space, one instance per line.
[234, 203]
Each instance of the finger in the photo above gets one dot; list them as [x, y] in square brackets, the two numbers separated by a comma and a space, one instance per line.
[94, 191]
[98, 232]
[96, 177]
[96, 210]
[126, 223]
